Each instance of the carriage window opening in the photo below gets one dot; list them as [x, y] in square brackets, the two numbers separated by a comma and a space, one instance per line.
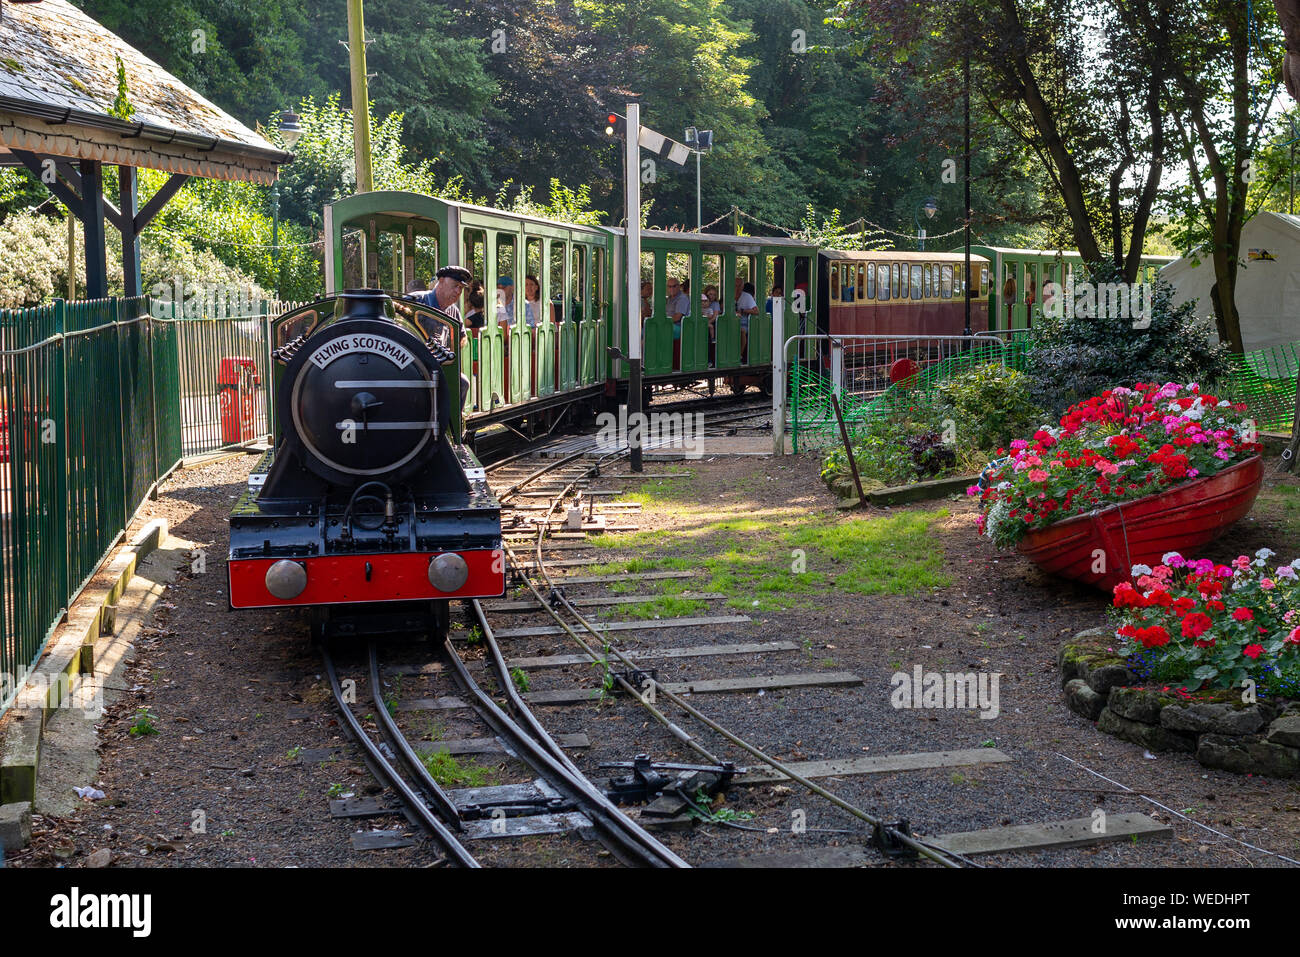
[927, 281]
[599, 298]
[896, 281]
[558, 311]
[984, 280]
[531, 291]
[916, 281]
[945, 281]
[507, 291]
[846, 281]
[862, 283]
[882, 281]
[578, 284]
[871, 281]
[835, 283]
[476, 248]
[648, 270]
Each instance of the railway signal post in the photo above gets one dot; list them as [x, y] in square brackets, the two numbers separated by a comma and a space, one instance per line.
[632, 195]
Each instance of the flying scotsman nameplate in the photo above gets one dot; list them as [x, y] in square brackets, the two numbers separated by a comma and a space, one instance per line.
[362, 343]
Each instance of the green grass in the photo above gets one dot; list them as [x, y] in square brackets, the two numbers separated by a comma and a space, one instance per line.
[664, 606]
[753, 560]
[450, 772]
[660, 491]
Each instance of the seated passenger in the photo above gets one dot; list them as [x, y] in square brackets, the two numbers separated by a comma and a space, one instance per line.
[679, 305]
[746, 306]
[506, 302]
[475, 318]
[778, 292]
[532, 301]
[647, 293]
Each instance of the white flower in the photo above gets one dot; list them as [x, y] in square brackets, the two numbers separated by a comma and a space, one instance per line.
[1140, 570]
[1265, 553]
[1168, 556]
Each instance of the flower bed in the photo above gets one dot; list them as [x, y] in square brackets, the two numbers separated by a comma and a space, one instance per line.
[1202, 624]
[1121, 445]
[1224, 729]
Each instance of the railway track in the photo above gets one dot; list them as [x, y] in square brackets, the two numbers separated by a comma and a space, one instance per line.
[549, 796]
[568, 478]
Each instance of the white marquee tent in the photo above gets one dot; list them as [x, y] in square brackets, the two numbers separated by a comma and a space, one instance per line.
[1268, 281]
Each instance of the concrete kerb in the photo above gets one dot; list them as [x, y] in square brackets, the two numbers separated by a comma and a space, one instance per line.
[69, 656]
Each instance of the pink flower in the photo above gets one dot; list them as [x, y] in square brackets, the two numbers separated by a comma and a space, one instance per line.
[973, 490]
[1038, 475]
[1267, 584]
[1018, 444]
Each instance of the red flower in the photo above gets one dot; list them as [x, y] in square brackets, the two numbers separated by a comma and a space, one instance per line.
[1153, 637]
[1196, 624]
[1243, 614]
[1184, 605]
[1253, 651]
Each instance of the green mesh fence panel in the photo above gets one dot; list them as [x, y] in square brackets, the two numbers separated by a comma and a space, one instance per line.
[1264, 379]
[812, 422]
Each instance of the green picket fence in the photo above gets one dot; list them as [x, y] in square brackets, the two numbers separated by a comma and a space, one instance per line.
[99, 400]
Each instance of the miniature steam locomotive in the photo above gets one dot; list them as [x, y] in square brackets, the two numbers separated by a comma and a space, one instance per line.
[368, 509]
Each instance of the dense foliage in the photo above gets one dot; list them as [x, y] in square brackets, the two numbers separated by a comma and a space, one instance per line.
[1195, 621]
[1122, 444]
[990, 405]
[1079, 352]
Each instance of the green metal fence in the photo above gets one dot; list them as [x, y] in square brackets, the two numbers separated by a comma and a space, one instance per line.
[98, 401]
[88, 425]
[811, 417]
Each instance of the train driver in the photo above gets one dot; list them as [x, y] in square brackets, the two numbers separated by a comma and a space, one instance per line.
[451, 281]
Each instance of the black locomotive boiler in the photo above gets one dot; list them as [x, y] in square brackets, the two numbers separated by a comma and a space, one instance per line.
[368, 509]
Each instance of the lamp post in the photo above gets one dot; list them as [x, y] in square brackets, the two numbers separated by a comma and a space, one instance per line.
[930, 207]
[290, 133]
[699, 141]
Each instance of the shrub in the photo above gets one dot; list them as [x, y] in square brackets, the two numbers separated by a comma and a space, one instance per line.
[899, 448]
[1213, 625]
[990, 405]
[35, 260]
[1072, 358]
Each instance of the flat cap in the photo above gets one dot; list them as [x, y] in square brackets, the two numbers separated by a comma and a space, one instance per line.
[459, 273]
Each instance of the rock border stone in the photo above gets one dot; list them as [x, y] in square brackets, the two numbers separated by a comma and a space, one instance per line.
[1219, 729]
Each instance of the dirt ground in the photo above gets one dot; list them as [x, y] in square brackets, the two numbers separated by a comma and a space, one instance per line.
[237, 697]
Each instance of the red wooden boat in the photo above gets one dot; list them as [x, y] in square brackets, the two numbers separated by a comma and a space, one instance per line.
[1180, 519]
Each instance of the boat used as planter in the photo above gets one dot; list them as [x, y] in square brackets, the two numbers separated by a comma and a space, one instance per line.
[1180, 519]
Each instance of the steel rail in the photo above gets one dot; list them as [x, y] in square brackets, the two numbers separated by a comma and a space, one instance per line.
[613, 823]
[446, 808]
[413, 801]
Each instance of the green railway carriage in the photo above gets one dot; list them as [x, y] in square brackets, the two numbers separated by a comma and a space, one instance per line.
[535, 355]
[732, 349]
[1017, 277]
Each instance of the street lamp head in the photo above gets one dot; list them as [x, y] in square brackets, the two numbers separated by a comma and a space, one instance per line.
[290, 128]
[691, 133]
[704, 140]
[931, 207]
